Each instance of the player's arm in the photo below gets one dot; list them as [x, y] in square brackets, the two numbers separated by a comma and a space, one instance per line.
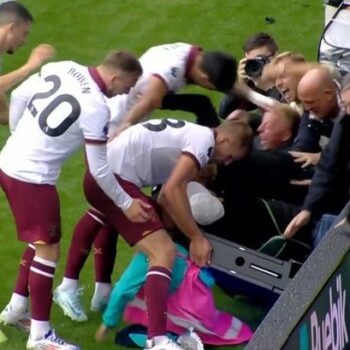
[150, 100]
[174, 200]
[38, 56]
[96, 155]
[4, 110]
[256, 98]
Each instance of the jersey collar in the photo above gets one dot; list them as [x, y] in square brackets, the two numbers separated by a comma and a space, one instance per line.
[194, 51]
[95, 75]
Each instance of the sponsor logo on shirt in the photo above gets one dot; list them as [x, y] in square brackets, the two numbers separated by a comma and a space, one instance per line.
[174, 71]
[105, 129]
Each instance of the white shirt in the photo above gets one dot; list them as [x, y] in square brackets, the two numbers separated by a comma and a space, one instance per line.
[145, 154]
[52, 114]
[169, 62]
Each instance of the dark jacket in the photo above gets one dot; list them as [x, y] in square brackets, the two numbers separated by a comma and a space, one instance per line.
[310, 132]
[329, 190]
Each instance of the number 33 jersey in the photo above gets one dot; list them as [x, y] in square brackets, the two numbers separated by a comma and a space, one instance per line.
[145, 154]
[52, 113]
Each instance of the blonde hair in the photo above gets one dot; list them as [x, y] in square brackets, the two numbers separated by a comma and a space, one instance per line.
[295, 57]
[123, 60]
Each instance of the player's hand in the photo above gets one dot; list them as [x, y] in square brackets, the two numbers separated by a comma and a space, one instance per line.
[242, 76]
[101, 333]
[39, 55]
[139, 211]
[123, 126]
[305, 158]
[115, 133]
[300, 220]
[200, 251]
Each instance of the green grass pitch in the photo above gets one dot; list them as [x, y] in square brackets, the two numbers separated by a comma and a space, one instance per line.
[84, 31]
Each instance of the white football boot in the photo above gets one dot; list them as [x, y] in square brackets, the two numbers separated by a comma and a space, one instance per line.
[50, 342]
[69, 301]
[19, 319]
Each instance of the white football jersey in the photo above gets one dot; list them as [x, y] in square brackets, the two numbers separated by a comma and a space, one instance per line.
[146, 153]
[57, 110]
[169, 62]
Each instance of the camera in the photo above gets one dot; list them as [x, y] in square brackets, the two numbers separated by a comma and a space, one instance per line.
[255, 66]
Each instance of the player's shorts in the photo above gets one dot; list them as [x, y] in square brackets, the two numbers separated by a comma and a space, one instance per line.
[36, 209]
[132, 232]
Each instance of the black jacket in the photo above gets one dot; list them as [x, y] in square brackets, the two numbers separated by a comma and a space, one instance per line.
[329, 190]
[310, 132]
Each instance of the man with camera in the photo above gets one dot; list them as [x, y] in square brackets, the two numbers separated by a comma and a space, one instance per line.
[259, 49]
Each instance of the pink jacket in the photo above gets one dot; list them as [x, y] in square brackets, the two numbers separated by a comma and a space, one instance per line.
[192, 305]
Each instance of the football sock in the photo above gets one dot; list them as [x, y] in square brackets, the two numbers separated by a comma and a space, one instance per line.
[18, 302]
[21, 287]
[39, 329]
[84, 234]
[105, 253]
[156, 293]
[68, 284]
[102, 290]
[40, 285]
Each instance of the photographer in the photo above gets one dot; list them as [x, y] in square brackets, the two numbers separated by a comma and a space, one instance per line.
[259, 49]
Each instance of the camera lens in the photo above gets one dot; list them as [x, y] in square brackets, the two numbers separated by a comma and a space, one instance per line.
[254, 67]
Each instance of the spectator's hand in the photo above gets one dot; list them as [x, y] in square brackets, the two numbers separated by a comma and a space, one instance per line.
[139, 211]
[101, 333]
[305, 158]
[300, 220]
[200, 251]
[305, 182]
[242, 76]
[39, 55]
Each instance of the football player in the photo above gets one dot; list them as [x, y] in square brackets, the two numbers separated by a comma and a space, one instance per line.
[15, 25]
[167, 69]
[168, 152]
[54, 112]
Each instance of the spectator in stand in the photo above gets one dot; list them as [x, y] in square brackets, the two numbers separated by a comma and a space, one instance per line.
[329, 189]
[261, 47]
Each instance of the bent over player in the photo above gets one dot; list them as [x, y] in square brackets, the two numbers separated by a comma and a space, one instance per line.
[166, 70]
[168, 152]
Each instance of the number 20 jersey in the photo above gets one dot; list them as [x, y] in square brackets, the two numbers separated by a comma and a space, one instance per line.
[60, 108]
[145, 154]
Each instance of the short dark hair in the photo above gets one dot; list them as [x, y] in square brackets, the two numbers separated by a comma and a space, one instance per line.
[124, 60]
[14, 11]
[221, 69]
[261, 39]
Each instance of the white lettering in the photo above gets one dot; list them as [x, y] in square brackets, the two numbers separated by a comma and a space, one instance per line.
[330, 333]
